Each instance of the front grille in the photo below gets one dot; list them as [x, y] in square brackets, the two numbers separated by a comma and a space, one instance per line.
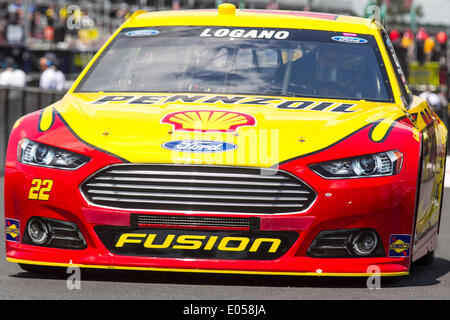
[164, 221]
[198, 188]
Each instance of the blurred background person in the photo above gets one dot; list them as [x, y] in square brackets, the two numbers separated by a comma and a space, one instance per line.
[442, 39]
[272, 5]
[433, 99]
[51, 78]
[15, 33]
[400, 49]
[12, 75]
[428, 48]
[421, 36]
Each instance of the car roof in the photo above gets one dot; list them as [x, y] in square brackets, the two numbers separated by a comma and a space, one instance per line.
[253, 18]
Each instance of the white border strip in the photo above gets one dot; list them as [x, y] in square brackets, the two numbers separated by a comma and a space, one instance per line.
[447, 173]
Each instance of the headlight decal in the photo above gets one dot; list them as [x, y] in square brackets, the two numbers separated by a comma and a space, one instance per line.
[39, 154]
[372, 165]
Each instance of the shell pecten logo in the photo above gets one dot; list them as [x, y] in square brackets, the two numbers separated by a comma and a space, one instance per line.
[208, 120]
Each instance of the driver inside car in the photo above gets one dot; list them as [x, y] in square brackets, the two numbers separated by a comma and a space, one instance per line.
[321, 69]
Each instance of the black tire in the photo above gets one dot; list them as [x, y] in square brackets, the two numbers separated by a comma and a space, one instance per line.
[426, 260]
[41, 269]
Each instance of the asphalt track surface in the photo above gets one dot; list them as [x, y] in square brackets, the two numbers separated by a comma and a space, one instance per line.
[424, 282]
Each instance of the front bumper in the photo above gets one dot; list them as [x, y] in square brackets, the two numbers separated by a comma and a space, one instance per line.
[384, 204]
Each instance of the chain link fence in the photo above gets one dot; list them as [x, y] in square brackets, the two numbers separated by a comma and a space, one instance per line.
[16, 102]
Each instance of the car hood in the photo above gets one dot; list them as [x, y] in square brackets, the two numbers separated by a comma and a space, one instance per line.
[210, 129]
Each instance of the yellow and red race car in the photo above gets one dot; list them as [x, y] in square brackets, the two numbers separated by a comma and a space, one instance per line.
[234, 141]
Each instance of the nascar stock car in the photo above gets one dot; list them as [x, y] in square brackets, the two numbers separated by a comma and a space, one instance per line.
[231, 141]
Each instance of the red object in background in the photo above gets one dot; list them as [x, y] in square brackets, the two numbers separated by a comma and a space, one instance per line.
[176, 5]
[441, 37]
[422, 34]
[408, 33]
[394, 35]
[407, 4]
[49, 33]
[273, 5]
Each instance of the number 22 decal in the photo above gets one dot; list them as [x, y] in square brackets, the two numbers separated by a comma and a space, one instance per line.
[40, 189]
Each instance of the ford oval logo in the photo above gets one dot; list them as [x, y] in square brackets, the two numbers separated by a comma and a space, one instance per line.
[141, 33]
[199, 146]
[349, 39]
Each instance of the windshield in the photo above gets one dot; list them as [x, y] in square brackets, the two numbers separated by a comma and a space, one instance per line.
[261, 61]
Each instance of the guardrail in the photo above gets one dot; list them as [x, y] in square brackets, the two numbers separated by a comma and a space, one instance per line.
[16, 102]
